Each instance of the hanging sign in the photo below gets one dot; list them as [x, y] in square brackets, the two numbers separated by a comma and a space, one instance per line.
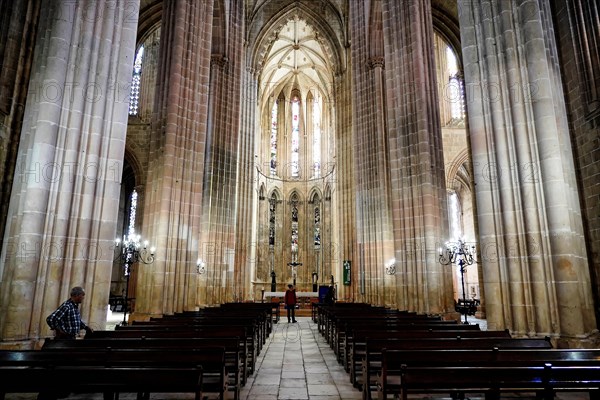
[347, 275]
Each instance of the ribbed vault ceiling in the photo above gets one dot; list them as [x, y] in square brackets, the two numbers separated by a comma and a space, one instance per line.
[296, 57]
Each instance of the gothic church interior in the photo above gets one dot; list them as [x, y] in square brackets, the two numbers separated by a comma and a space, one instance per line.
[255, 143]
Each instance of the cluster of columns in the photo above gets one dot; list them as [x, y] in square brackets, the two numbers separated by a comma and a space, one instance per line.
[61, 220]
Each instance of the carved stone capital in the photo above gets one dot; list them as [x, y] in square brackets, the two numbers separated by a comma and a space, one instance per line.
[376, 62]
[219, 61]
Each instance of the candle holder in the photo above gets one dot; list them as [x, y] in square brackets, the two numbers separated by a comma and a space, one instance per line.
[458, 253]
[131, 251]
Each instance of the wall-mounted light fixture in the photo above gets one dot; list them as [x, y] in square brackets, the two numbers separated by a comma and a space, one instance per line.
[200, 267]
[390, 267]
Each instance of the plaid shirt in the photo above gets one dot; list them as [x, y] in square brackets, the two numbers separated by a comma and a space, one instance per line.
[67, 318]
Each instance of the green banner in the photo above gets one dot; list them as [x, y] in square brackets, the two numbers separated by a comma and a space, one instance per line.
[347, 273]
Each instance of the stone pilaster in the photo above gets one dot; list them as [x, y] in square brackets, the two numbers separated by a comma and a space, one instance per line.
[177, 153]
[535, 269]
[64, 202]
[416, 167]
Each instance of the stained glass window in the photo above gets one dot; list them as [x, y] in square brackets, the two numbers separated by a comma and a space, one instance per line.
[134, 95]
[316, 137]
[457, 97]
[295, 151]
[454, 211]
[317, 226]
[294, 228]
[273, 162]
[272, 205]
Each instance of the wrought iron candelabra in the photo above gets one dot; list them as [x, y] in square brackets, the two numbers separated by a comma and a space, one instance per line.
[131, 251]
[458, 253]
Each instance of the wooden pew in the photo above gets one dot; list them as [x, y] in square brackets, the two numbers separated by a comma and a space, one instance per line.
[345, 338]
[98, 379]
[256, 333]
[358, 345]
[543, 380]
[272, 312]
[221, 371]
[372, 358]
[248, 352]
[326, 313]
[336, 324]
[344, 335]
[251, 316]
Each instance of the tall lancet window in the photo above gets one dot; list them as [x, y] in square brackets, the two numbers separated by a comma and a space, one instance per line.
[317, 227]
[456, 89]
[134, 95]
[295, 150]
[273, 161]
[294, 204]
[272, 205]
[317, 137]
[132, 213]
[455, 219]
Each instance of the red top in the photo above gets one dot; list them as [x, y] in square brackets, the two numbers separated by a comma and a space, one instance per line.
[290, 297]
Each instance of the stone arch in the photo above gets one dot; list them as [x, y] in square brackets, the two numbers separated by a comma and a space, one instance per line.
[277, 192]
[261, 191]
[445, 23]
[455, 165]
[149, 20]
[327, 192]
[315, 193]
[269, 33]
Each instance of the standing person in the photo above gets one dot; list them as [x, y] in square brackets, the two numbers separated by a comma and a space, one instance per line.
[66, 320]
[330, 295]
[290, 301]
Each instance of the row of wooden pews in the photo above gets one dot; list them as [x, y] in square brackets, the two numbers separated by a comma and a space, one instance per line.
[210, 352]
[398, 353]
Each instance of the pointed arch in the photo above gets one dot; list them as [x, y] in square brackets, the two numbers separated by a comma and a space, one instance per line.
[261, 191]
[268, 34]
[314, 195]
[277, 193]
[149, 21]
[452, 170]
[327, 193]
[445, 23]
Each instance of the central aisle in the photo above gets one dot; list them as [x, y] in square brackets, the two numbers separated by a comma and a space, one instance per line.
[297, 363]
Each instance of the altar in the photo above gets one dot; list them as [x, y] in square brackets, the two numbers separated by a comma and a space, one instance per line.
[298, 294]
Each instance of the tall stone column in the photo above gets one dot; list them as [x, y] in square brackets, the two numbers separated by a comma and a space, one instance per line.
[373, 228]
[218, 244]
[535, 269]
[343, 225]
[20, 21]
[177, 151]
[416, 167]
[247, 224]
[64, 202]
